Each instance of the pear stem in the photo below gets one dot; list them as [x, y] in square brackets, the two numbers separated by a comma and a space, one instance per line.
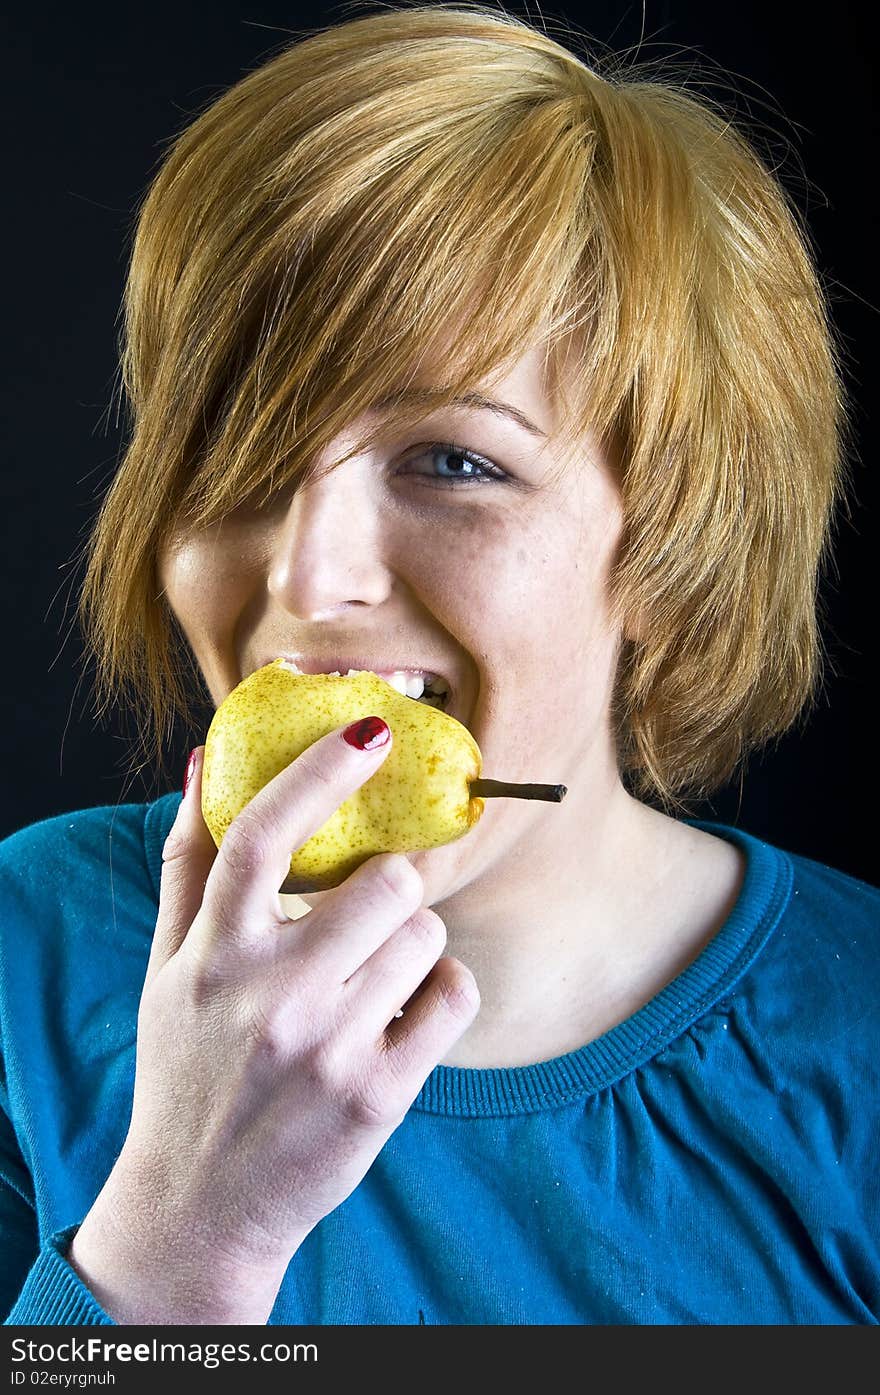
[493, 789]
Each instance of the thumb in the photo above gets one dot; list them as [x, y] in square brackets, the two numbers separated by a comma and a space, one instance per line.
[187, 858]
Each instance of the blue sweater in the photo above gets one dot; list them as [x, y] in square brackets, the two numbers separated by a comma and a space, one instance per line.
[711, 1160]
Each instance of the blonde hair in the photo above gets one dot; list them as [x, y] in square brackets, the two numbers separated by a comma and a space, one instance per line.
[379, 183]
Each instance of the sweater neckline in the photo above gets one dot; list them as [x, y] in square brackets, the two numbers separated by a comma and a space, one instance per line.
[501, 1091]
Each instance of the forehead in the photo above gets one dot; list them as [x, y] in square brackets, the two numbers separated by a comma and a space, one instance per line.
[520, 385]
[523, 382]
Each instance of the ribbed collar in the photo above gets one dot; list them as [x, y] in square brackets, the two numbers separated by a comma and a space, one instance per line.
[500, 1091]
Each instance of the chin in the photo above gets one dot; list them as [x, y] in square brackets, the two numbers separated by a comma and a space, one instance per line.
[445, 871]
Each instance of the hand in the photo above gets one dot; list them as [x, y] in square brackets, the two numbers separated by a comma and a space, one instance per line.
[271, 1067]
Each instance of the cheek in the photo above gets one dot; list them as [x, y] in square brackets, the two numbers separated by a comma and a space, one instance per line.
[526, 585]
[202, 583]
[480, 577]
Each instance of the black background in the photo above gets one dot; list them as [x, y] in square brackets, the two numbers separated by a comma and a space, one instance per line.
[96, 91]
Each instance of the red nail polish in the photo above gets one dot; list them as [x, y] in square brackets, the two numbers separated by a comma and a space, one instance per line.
[367, 734]
[190, 768]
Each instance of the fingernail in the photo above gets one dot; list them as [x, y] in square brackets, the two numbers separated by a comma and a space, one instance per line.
[190, 769]
[367, 734]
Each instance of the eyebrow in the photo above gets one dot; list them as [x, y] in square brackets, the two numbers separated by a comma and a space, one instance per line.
[474, 400]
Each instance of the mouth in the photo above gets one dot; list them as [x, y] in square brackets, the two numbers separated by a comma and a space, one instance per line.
[420, 685]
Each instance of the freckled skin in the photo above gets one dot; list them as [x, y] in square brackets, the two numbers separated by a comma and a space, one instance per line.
[418, 797]
[562, 911]
[377, 559]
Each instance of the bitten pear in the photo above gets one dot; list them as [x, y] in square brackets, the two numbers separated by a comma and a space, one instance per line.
[421, 796]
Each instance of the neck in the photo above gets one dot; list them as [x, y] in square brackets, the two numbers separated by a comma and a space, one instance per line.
[562, 956]
[559, 959]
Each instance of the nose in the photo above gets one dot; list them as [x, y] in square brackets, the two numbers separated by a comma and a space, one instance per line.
[328, 554]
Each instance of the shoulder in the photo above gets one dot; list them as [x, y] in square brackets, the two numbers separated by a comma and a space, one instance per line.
[832, 931]
[78, 902]
[834, 918]
[804, 894]
[66, 841]
[832, 898]
[815, 980]
[70, 849]
[76, 878]
[70, 833]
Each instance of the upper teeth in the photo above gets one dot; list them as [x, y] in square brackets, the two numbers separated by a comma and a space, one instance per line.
[414, 685]
[411, 685]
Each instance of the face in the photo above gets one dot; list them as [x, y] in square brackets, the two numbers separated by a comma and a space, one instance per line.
[487, 564]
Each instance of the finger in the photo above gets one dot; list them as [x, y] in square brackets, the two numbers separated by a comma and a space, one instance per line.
[358, 916]
[187, 858]
[433, 1020]
[241, 894]
[392, 976]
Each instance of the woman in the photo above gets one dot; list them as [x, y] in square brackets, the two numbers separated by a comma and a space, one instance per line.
[448, 353]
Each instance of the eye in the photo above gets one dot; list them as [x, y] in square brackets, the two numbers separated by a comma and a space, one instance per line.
[456, 465]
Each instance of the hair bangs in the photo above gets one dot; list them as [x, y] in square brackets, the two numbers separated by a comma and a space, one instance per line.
[379, 219]
[431, 274]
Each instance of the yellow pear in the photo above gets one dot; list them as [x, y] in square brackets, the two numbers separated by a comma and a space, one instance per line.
[420, 797]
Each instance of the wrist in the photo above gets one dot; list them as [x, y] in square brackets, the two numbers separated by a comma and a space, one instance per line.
[148, 1270]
